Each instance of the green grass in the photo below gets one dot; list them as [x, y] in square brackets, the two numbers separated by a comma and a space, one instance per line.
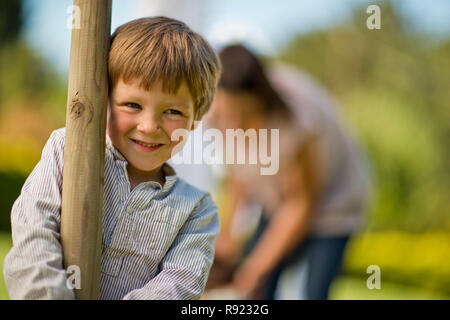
[5, 245]
[349, 288]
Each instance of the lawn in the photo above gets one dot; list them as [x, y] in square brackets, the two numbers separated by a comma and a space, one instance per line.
[349, 288]
[5, 245]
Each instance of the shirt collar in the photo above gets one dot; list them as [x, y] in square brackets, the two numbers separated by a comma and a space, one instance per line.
[116, 153]
[171, 176]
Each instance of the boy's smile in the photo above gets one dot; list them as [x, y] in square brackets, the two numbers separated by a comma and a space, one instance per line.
[140, 125]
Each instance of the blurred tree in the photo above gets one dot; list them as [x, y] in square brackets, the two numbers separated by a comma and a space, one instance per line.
[24, 73]
[10, 183]
[27, 76]
[393, 87]
[11, 20]
[32, 104]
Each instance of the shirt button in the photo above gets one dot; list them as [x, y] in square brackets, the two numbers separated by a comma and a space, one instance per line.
[129, 210]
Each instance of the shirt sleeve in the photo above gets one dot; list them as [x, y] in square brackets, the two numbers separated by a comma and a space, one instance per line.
[33, 268]
[185, 268]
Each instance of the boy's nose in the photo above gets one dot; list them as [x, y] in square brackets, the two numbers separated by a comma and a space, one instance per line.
[148, 125]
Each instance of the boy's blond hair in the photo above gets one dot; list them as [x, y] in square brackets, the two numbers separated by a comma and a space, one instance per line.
[160, 48]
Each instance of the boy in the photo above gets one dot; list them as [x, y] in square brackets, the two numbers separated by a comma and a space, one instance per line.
[158, 231]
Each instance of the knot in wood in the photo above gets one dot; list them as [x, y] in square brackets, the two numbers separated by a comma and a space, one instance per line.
[77, 109]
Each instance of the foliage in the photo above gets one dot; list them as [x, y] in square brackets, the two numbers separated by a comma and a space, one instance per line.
[32, 104]
[11, 19]
[419, 260]
[392, 86]
[5, 245]
[26, 77]
[355, 288]
[10, 183]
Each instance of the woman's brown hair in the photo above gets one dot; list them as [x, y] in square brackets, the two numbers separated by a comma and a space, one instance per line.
[242, 71]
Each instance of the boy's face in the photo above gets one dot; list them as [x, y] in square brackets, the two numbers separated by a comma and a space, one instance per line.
[140, 123]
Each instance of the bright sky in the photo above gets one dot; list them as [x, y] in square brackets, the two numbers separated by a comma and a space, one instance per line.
[266, 24]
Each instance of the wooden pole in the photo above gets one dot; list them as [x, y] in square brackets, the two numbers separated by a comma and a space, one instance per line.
[84, 152]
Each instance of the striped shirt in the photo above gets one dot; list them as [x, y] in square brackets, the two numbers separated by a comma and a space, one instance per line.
[158, 241]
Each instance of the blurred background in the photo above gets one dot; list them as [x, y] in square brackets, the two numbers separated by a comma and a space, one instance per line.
[391, 85]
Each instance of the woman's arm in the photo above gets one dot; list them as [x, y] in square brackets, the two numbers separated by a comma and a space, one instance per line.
[289, 224]
[228, 247]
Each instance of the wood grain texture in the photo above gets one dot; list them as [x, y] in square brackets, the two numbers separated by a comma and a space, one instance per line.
[84, 152]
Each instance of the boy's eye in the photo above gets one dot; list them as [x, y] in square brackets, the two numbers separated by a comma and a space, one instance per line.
[173, 111]
[133, 105]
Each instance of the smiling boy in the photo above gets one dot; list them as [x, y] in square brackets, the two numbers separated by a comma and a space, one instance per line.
[158, 231]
